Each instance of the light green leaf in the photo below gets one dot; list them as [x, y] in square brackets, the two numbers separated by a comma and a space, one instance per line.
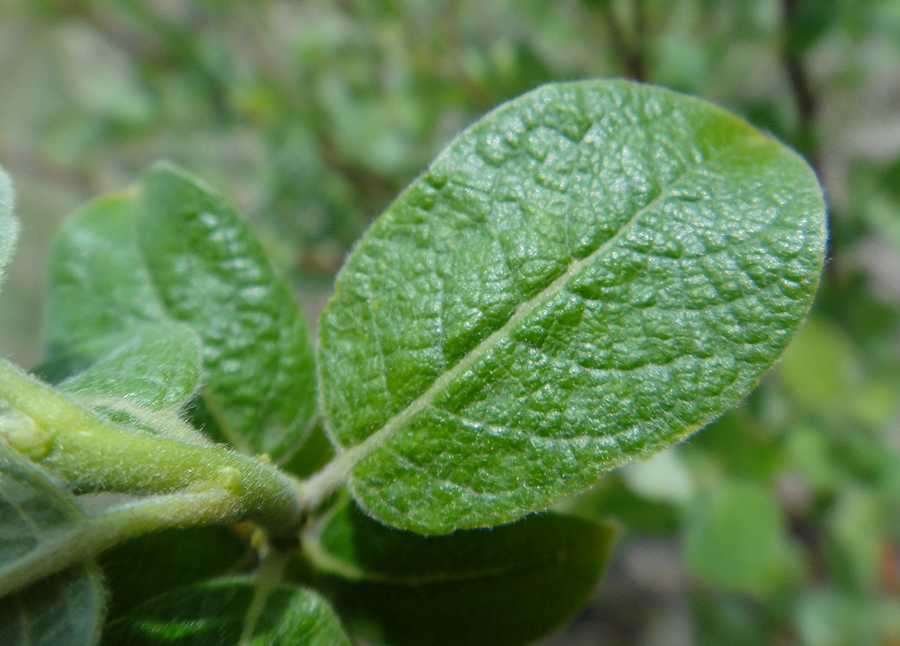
[589, 274]
[506, 585]
[63, 610]
[99, 290]
[9, 225]
[207, 272]
[213, 614]
[736, 539]
[146, 382]
[821, 369]
[211, 273]
[158, 367]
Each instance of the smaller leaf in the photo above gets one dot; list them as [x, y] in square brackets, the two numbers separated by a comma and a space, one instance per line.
[210, 272]
[99, 289]
[158, 368]
[9, 226]
[506, 585]
[64, 610]
[146, 382]
[213, 614]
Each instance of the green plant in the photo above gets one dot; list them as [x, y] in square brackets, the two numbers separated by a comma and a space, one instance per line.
[587, 275]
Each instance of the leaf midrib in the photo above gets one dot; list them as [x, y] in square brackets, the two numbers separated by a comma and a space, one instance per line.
[338, 470]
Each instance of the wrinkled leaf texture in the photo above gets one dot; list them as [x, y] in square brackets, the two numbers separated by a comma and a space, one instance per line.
[589, 274]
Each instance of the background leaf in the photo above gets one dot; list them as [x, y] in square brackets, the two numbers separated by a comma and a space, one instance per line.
[507, 585]
[153, 564]
[212, 614]
[66, 609]
[738, 540]
[590, 273]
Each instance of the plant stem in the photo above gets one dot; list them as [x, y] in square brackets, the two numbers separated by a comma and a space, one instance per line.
[97, 533]
[92, 454]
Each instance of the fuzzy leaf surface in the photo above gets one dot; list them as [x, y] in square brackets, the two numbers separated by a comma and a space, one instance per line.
[9, 225]
[65, 609]
[146, 382]
[210, 272]
[213, 614]
[507, 585]
[158, 368]
[589, 274]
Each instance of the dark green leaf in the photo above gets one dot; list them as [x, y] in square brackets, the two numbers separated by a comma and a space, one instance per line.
[62, 610]
[210, 272]
[65, 609]
[506, 585]
[590, 273]
[207, 272]
[150, 565]
[213, 614]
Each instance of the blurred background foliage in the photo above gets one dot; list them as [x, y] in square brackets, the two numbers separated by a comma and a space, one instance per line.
[780, 523]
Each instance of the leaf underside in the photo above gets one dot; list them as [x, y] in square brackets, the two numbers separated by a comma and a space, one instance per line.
[65, 609]
[590, 273]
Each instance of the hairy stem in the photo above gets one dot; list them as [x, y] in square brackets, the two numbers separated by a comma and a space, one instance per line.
[97, 533]
[92, 454]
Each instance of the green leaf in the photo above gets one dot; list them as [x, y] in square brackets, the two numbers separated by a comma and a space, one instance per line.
[99, 290]
[9, 225]
[65, 609]
[213, 614]
[589, 274]
[62, 610]
[506, 585]
[736, 539]
[153, 564]
[146, 382]
[206, 271]
[211, 273]
[158, 367]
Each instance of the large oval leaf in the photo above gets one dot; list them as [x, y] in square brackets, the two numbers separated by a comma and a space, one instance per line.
[590, 273]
